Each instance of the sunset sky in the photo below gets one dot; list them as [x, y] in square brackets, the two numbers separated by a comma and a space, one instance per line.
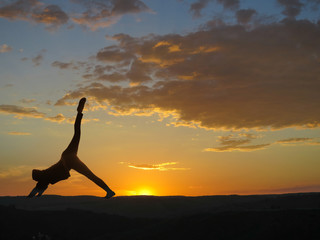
[198, 97]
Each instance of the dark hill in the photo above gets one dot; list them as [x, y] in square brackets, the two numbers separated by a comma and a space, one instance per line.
[288, 216]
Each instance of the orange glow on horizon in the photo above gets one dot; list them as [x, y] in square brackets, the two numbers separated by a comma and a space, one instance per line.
[141, 192]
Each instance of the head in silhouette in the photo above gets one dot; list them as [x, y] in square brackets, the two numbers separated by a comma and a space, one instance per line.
[37, 175]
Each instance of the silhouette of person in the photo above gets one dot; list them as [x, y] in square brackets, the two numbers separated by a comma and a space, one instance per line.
[69, 160]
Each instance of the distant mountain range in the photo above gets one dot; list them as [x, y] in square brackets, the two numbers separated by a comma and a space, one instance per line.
[286, 216]
[170, 206]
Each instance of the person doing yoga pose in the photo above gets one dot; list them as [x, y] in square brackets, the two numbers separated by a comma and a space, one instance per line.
[69, 160]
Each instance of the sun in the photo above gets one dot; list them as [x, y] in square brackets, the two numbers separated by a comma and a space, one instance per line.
[142, 192]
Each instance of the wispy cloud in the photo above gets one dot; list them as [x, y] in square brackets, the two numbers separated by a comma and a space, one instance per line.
[160, 167]
[294, 140]
[294, 189]
[32, 112]
[240, 142]
[20, 112]
[19, 133]
[25, 100]
[64, 65]
[237, 143]
[5, 48]
[39, 58]
[16, 171]
[58, 118]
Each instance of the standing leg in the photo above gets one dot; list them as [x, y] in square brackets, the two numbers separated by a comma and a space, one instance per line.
[80, 167]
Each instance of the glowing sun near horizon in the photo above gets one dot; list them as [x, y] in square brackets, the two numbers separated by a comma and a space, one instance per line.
[141, 192]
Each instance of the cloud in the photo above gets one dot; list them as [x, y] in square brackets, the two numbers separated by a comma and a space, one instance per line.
[298, 141]
[222, 77]
[20, 9]
[314, 4]
[39, 58]
[292, 8]
[19, 133]
[230, 4]
[8, 85]
[313, 143]
[249, 148]
[196, 7]
[100, 14]
[245, 15]
[298, 189]
[294, 140]
[96, 14]
[5, 48]
[64, 65]
[17, 171]
[159, 167]
[58, 118]
[51, 15]
[34, 11]
[20, 112]
[237, 143]
[24, 100]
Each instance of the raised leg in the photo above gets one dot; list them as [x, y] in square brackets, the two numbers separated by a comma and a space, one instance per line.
[74, 144]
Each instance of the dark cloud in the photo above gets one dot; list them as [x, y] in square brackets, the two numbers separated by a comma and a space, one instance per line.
[292, 8]
[230, 4]
[64, 65]
[223, 77]
[113, 54]
[31, 112]
[100, 13]
[245, 15]
[240, 143]
[20, 111]
[34, 11]
[196, 7]
[314, 4]
[97, 13]
[237, 143]
[20, 9]
[37, 60]
[51, 15]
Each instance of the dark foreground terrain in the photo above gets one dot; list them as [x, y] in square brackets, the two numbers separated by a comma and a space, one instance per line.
[288, 216]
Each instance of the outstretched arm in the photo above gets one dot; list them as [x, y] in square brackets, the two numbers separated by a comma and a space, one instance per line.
[36, 190]
[33, 192]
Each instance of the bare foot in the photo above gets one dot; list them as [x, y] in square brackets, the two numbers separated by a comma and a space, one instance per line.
[81, 105]
[110, 194]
